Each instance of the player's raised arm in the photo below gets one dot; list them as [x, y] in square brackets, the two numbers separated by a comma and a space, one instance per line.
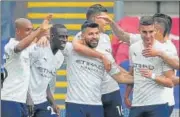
[118, 31]
[25, 42]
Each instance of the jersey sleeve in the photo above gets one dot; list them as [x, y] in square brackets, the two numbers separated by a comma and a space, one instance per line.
[166, 67]
[77, 36]
[114, 69]
[68, 48]
[109, 43]
[134, 38]
[173, 53]
[9, 48]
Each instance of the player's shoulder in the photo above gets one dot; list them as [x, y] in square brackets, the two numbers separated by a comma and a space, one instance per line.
[171, 44]
[134, 38]
[104, 35]
[136, 45]
[104, 38]
[11, 42]
[78, 35]
[159, 45]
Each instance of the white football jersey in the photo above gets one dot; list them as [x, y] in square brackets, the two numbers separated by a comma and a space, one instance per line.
[146, 91]
[171, 51]
[15, 86]
[169, 48]
[43, 67]
[84, 77]
[108, 84]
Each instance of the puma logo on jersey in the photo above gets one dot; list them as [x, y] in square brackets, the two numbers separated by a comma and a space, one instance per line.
[108, 50]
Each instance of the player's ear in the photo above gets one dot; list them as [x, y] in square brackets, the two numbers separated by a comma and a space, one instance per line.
[139, 29]
[52, 36]
[17, 31]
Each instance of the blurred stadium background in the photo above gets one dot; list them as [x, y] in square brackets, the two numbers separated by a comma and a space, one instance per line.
[72, 14]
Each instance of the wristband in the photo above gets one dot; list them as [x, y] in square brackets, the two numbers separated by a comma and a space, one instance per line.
[153, 76]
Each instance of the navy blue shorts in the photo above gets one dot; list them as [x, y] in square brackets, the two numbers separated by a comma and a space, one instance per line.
[80, 110]
[44, 110]
[161, 110]
[112, 104]
[13, 109]
[171, 109]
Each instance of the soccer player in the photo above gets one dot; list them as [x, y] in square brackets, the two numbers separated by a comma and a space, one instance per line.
[85, 75]
[44, 62]
[163, 36]
[111, 98]
[133, 38]
[15, 86]
[163, 31]
[4, 73]
[148, 94]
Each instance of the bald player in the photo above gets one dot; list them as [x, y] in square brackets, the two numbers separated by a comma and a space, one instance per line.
[15, 86]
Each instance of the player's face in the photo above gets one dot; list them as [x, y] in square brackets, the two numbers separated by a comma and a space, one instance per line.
[100, 21]
[147, 34]
[60, 38]
[24, 30]
[91, 37]
[159, 33]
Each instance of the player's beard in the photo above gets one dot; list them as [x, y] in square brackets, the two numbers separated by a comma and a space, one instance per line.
[93, 43]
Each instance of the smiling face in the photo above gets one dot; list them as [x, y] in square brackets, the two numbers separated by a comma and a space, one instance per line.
[148, 34]
[23, 29]
[59, 38]
[91, 36]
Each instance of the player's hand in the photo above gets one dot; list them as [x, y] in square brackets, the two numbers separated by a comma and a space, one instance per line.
[45, 24]
[150, 52]
[43, 42]
[106, 18]
[146, 73]
[107, 63]
[56, 109]
[127, 102]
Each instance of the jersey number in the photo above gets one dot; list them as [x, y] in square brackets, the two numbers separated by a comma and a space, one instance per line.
[51, 109]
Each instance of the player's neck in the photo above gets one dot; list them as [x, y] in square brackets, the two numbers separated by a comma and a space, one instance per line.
[53, 48]
[17, 38]
[166, 38]
[101, 30]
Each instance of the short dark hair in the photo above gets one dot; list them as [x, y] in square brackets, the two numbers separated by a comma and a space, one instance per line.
[146, 20]
[55, 26]
[163, 23]
[89, 24]
[94, 9]
[167, 18]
